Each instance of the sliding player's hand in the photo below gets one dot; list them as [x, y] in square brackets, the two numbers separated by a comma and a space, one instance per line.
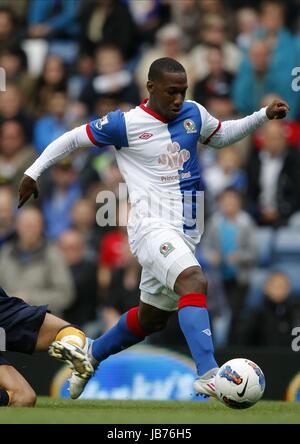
[278, 109]
[28, 187]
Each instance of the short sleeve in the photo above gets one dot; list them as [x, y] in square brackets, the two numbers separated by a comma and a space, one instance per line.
[210, 125]
[108, 130]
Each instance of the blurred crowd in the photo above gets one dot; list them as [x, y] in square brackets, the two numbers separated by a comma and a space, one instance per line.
[69, 61]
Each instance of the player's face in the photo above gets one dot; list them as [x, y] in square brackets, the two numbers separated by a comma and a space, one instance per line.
[168, 93]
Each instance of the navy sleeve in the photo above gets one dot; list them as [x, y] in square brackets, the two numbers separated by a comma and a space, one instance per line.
[109, 130]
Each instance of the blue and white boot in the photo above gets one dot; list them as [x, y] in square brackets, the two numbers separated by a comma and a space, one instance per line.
[77, 381]
[206, 384]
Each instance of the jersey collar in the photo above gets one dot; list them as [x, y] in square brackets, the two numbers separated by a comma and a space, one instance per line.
[152, 113]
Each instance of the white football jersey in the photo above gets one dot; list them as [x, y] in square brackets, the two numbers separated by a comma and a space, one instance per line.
[158, 160]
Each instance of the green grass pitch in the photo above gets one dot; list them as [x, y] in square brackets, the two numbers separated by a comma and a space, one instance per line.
[64, 411]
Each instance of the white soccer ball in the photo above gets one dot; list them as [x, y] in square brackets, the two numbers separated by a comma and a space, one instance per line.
[240, 383]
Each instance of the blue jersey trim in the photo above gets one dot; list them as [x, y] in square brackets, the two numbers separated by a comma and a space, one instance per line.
[109, 130]
[185, 130]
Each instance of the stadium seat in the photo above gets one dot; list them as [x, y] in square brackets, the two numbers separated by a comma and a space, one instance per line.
[264, 246]
[286, 246]
[294, 221]
[255, 293]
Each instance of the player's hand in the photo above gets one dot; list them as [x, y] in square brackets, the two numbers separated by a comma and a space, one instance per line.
[28, 187]
[278, 109]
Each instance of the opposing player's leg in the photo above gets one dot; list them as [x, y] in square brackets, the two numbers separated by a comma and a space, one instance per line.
[29, 328]
[191, 286]
[66, 343]
[14, 389]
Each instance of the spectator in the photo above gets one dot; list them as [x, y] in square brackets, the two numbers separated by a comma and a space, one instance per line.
[83, 216]
[212, 7]
[60, 197]
[273, 30]
[168, 44]
[13, 61]
[247, 21]
[111, 77]
[53, 124]
[57, 22]
[7, 215]
[109, 22]
[123, 291]
[46, 21]
[114, 251]
[255, 81]
[105, 104]
[271, 323]
[52, 78]
[218, 81]
[9, 35]
[15, 156]
[13, 107]
[77, 81]
[229, 246]
[258, 76]
[113, 254]
[34, 270]
[85, 165]
[19, 10]
[273, 178]
[84, 272]
[225, 173]
[148, 17]
[213, 33]
[187, 15]
[109, 173]
[222, 107]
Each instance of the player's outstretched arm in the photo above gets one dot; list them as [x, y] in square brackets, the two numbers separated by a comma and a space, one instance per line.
[58, 149]
[231, 131]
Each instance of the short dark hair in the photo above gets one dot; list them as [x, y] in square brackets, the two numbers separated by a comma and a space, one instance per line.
[164, 64]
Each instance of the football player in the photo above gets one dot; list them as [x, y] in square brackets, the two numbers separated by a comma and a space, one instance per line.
[156, 151]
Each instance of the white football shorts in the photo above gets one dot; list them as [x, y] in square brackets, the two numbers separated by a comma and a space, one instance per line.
[164, 254]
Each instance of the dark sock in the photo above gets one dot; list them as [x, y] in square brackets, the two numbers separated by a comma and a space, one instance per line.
[4, 398]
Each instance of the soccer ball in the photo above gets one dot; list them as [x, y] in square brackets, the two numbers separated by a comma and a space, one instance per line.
[240, 383]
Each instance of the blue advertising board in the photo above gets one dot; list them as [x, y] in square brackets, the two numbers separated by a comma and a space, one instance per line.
[142, 372]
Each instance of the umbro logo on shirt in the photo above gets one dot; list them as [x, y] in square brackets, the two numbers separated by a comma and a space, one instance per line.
[145, 136]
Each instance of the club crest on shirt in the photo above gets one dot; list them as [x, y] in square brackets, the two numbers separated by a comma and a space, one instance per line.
[166, 248]
[175, 157]
[190, 126]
